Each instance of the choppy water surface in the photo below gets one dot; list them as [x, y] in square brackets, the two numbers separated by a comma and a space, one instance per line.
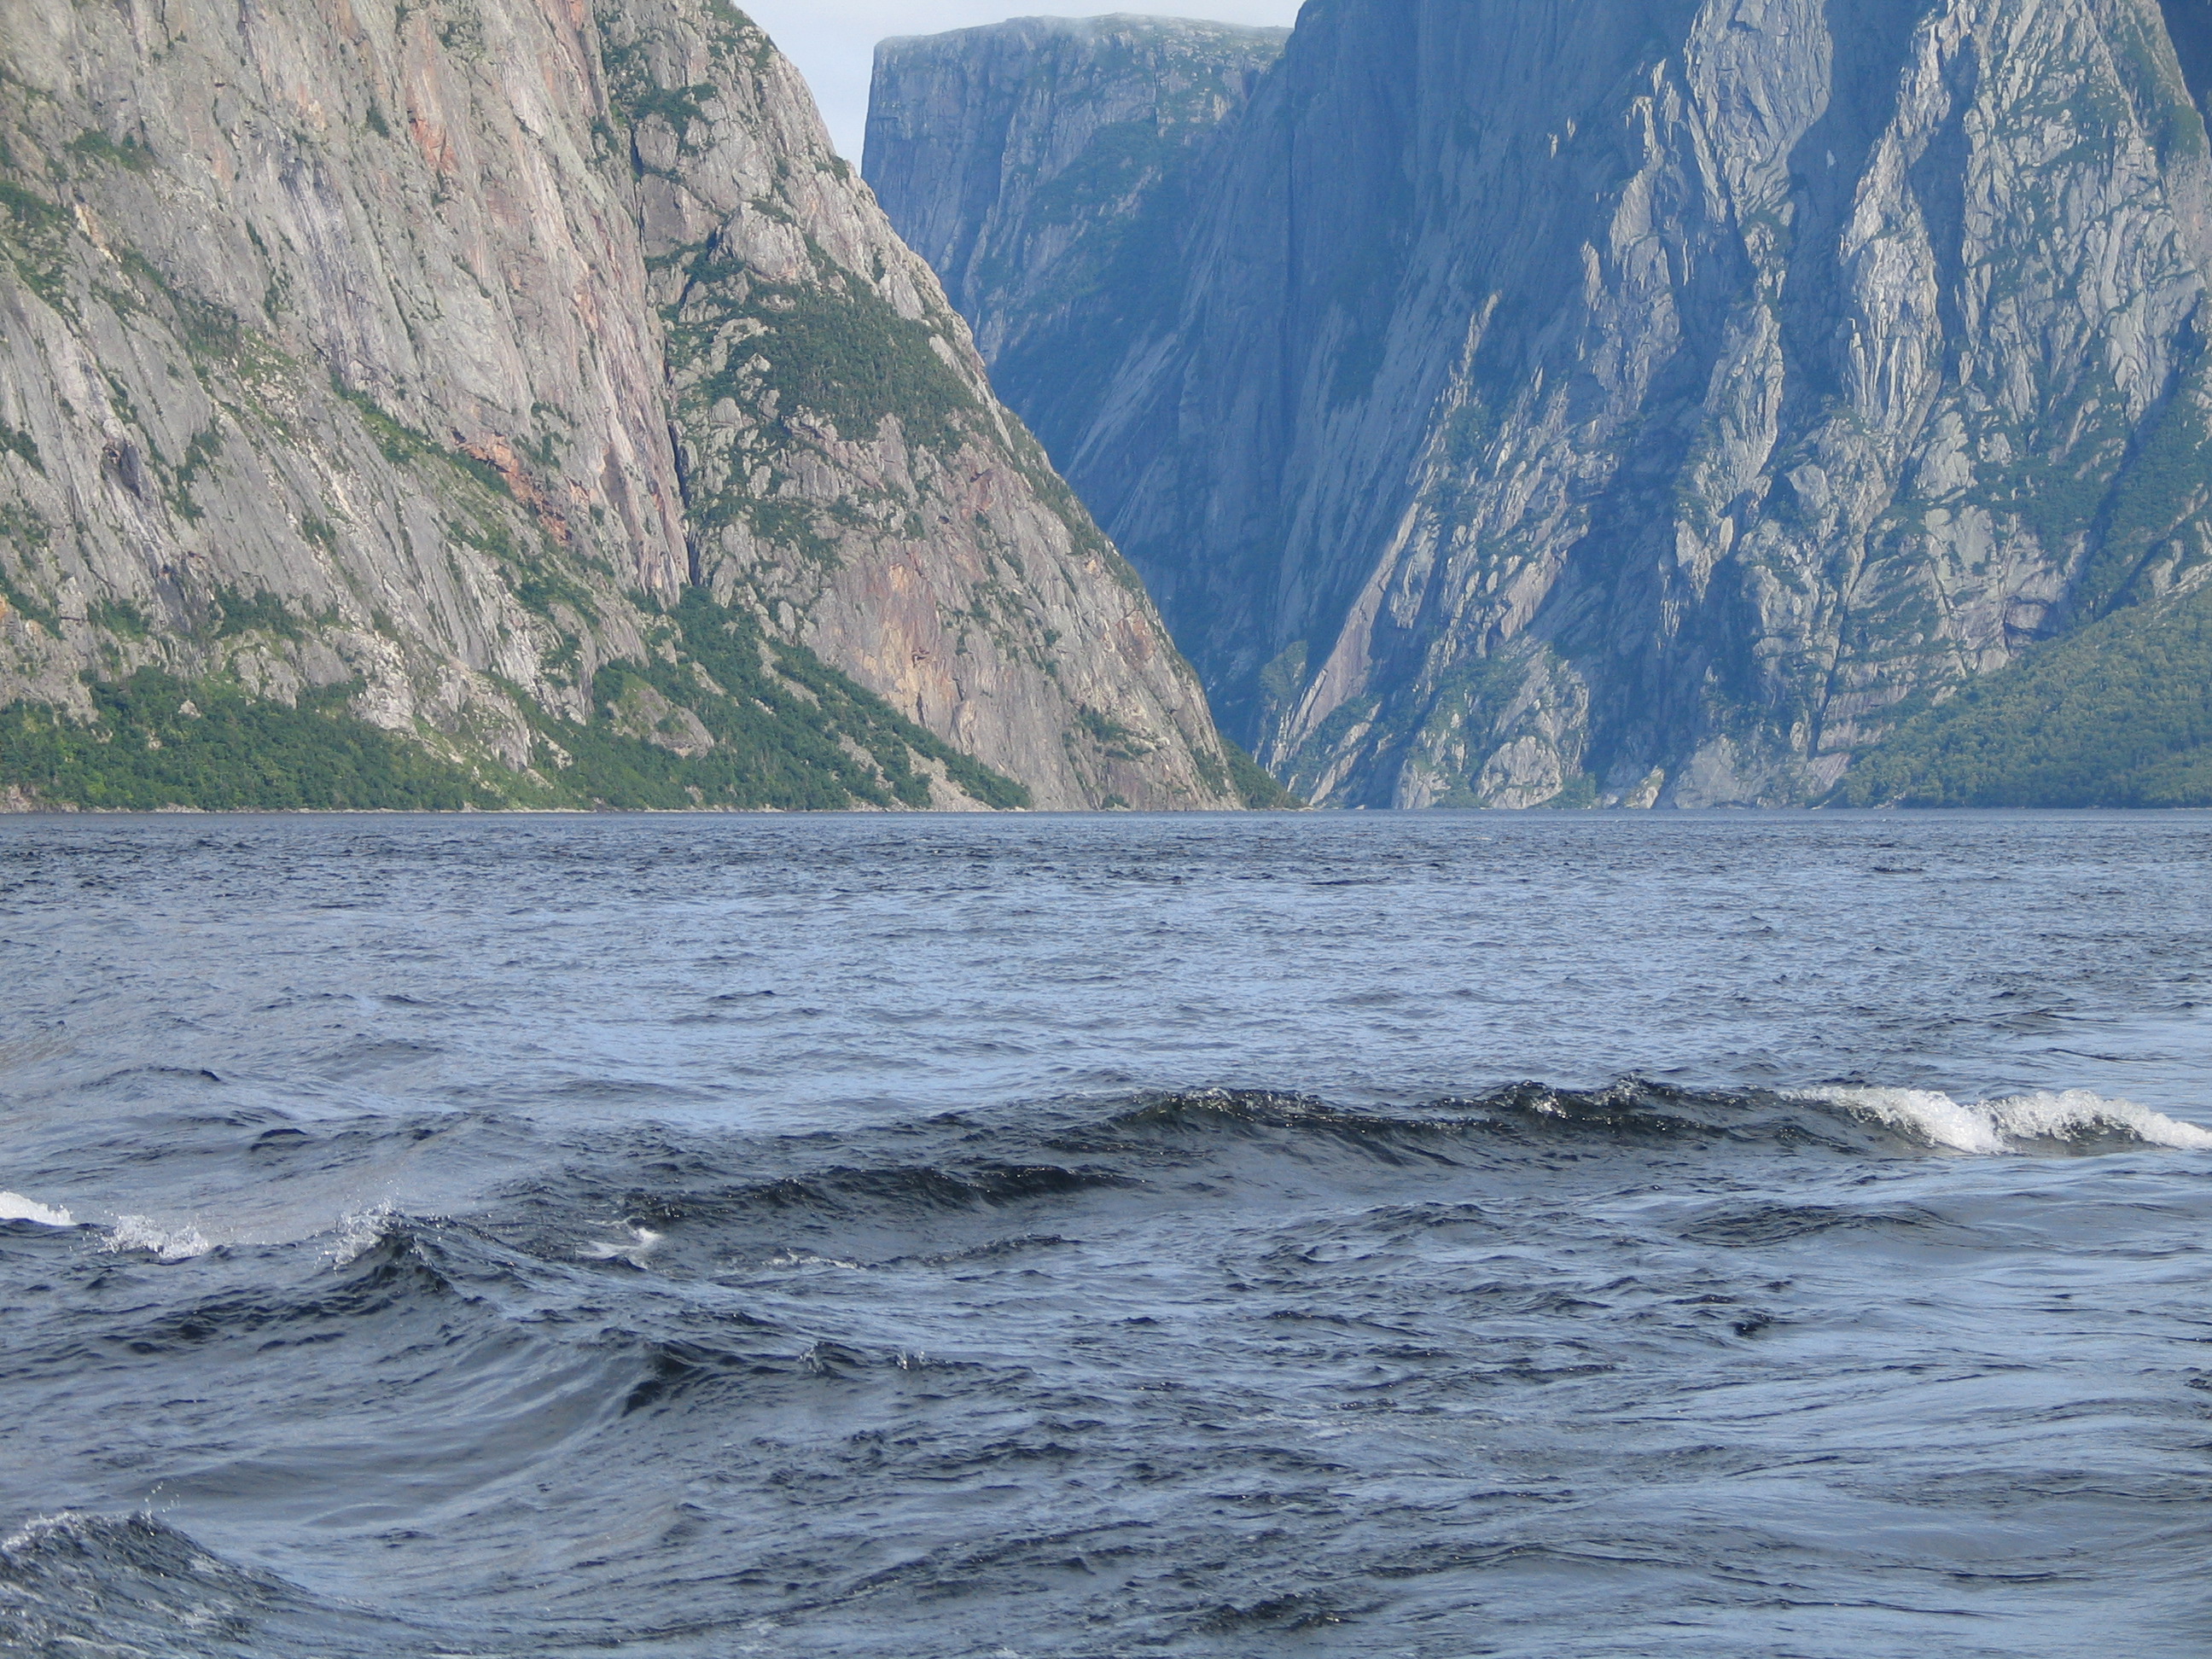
[1436, 1236]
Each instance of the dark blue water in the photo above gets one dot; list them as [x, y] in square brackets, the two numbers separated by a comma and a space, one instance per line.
[1431, 1236]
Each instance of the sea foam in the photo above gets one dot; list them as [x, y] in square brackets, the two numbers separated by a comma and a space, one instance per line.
[2010, 1124]
[359, 1232]
[634, 1250]
[14, 1207]
[138, 1232]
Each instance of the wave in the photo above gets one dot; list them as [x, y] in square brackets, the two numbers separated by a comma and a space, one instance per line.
[123, 1587]
[2072, 1119]
[1509, 1125]
[671, 1202]
[731, 1207]
[633, 1250]
[14, 1207]
[1638, 1113]
[642, 1296]
[361, 1231]
[141, 1235]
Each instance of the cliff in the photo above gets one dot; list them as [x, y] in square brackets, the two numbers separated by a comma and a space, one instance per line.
[494, 402]
[1580, 401]
[1044, 167]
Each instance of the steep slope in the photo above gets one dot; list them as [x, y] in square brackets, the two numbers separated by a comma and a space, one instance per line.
[1650, 403]
[1044, 167]
[2118, 714]
[487, 402]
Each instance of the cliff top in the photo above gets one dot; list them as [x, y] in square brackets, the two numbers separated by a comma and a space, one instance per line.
[1102, 25]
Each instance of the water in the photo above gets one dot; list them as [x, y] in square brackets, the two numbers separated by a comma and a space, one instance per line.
[1105, 1237]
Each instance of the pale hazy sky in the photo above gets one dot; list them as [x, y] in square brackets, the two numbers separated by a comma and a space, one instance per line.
[834, 41]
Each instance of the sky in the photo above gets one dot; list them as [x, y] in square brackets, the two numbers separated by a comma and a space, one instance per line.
[834, 41]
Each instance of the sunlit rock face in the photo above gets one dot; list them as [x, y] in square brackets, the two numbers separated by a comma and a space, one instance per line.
[443, 353]
[1643, 401]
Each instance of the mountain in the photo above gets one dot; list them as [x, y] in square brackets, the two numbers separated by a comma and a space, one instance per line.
[2116, 713]
[1045, 167]
[1635, 401]
[489, 402]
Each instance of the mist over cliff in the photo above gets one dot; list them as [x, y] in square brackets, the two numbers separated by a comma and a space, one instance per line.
[497, 402]
[1615, 401]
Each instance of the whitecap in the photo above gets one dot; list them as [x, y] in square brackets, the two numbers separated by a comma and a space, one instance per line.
[37, 1530]
[14, 1207]
[2007, 1125]
[2076, 1112]
[789, 1258]
[632, 1250]
[359, 1232]
[138, 1232]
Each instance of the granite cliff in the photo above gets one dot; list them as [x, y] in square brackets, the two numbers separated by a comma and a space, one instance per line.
[505, 401]
[1632, 401]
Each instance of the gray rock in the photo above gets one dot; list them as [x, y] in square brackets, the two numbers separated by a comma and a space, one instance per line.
[1044, 168]
[1570, 399]
[435, 350]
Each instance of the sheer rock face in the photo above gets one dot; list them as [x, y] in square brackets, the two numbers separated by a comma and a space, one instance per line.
[436, 348]
[1043, 166]
[1605, 399]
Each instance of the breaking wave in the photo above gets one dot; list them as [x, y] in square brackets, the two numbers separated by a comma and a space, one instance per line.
[359, 1233]
[1636, 1114]
[2075, 1118]
[142, 1235]
[14, 1207]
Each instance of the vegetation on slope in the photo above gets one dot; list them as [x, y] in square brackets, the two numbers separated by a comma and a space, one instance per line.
[743, 723]
[1258, 788]
[158, 741]
[2118, 714]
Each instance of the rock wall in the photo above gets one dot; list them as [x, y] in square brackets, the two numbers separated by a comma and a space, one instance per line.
[1044, 167]
[1609, 401]
[456, 355]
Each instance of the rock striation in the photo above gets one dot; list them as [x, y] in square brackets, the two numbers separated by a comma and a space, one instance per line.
[1602, 401]
[525, 393]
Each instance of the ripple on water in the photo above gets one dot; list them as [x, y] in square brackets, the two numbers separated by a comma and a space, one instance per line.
[1086, 1238]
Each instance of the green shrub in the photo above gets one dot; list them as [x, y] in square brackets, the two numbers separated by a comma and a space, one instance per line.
[2117, 714]
[15, 441]
[117, 616]
[781, 719]
[96, 146]
[790, 733]
[261, 612]
[1261, 790]
[840, 351]
[158, 741]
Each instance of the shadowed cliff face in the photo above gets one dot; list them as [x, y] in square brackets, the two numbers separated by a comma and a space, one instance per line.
[1044, 167]
[1651, 400]
[455, 356]
[2188, 24]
